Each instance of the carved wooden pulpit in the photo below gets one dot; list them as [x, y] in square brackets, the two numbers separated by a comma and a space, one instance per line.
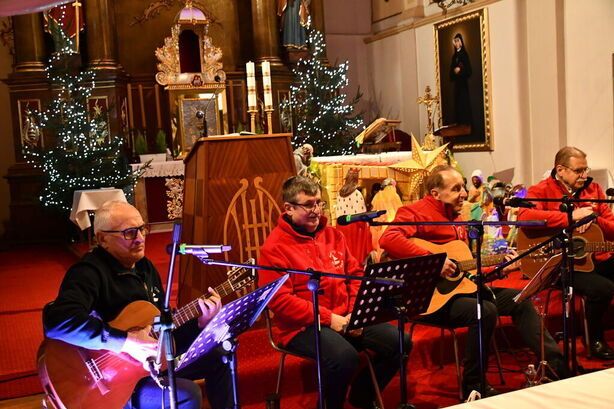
[232, 195]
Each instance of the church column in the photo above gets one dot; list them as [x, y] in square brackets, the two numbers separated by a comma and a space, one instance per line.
[266, 31]
[101, 42]
[316, 11]
[29, 43]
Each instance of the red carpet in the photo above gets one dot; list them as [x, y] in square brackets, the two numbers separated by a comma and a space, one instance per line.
[30, 278]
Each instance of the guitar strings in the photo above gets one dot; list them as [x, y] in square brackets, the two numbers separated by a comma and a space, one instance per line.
[184, 314]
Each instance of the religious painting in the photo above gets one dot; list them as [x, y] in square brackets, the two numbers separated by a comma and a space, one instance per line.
[195, 113]
[31, 133]
[463, 80]
[98, 110]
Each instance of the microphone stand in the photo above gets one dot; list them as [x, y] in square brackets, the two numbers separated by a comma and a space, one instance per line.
[165, 324]
[567, 273]
[477, 233]
[314, 286]
[204, 113]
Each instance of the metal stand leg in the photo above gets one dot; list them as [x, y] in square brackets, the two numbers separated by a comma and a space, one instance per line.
[230, 359]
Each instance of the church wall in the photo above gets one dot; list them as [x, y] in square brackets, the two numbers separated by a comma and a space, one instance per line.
[7, 157]
[347, 22]
[551, 81]
[589, 62]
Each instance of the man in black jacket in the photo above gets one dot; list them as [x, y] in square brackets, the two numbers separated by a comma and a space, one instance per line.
[97, 288]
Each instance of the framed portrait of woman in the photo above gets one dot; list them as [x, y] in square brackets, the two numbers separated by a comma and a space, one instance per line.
[462, 64]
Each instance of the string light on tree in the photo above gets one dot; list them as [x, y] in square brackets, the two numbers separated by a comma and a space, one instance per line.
[83, 155]
[321, 114]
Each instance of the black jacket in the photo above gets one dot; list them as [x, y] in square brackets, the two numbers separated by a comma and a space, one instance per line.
[93, 292]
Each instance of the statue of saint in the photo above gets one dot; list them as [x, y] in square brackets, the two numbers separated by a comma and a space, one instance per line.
[294, 17]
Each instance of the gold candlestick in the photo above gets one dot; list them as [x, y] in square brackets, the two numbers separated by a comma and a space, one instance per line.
[252, 116]
[269, 119]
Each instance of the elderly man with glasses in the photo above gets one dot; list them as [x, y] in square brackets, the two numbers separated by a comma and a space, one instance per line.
[569, 177]
[98, 288]
[302, 240]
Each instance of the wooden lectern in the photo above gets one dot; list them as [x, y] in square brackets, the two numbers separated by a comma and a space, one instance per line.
[232, 195]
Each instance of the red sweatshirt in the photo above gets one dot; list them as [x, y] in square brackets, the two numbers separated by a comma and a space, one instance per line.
[395, 240]
[326, 252]
[551, 188]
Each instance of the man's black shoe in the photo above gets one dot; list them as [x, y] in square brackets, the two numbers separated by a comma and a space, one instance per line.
[601, 350]
[488, 392]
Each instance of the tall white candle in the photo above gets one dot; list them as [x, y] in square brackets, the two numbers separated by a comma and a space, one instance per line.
[266, 83]
[251, 85]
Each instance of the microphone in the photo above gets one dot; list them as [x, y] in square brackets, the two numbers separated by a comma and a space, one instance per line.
[359, 217]
[203, 250]
[609, 191]
[512, 202]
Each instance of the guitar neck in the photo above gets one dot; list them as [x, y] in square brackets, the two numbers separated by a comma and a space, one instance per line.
[192, 310]
[468, 265]
[598, 246]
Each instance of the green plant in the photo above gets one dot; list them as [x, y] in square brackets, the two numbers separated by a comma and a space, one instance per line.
[160, 146]
[140, 144]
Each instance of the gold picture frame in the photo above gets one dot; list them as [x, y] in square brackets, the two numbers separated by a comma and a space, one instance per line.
[463, 79]
[191, 123]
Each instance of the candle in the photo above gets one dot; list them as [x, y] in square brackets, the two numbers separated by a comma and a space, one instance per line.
[158, 117]
[266, 84]
[142, 100]
[251, 85]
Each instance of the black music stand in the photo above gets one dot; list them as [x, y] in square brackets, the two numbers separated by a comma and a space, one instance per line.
[376, 303]
[545, 277]
[233, 319]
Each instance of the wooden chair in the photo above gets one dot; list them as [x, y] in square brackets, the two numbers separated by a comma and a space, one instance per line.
[364, 357]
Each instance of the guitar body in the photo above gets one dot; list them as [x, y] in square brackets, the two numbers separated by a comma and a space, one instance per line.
[75, 378]
[528, 238]
[70, 384]
[450, 286]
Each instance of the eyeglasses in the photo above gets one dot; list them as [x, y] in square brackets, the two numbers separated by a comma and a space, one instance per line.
[311, 207]
[131, 233]
[579, 172]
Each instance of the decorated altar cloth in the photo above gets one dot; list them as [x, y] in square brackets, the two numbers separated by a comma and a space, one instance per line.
[372, 168]
[159, 193]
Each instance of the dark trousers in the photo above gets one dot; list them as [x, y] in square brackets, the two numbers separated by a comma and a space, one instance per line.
[461, 312]
[340, 361]
[218, 383]
[598, 289]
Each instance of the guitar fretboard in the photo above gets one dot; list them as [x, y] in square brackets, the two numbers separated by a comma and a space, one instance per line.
[599, 246]
[192, 310]
[490, 260]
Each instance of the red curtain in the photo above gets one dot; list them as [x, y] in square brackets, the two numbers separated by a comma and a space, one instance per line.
[14, 7]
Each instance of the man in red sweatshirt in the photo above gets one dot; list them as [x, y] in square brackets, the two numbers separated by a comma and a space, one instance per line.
[443, 202]
[302, 240]
[569, 177]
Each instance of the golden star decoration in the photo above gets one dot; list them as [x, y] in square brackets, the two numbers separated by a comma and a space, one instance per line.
[420, 164]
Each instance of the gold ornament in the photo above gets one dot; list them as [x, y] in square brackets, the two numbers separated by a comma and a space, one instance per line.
[420, 165]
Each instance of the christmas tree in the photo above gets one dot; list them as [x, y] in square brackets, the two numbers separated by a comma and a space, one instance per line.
[83, 155]
[323, 118]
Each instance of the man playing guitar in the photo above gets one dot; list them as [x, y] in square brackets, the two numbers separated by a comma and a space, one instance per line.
[105, 281]
[569, 177]
[443, 202]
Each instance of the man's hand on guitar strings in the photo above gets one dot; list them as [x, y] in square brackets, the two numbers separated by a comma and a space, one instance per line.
[580, 213]
[515, 265]
[209, 307]
[140, 345]
[449, 269]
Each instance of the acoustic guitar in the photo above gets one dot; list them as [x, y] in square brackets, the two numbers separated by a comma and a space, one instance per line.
[584, 244]
[75, 377]
[448, 287]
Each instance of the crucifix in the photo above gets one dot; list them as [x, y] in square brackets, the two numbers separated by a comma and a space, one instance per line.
[430, 102]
